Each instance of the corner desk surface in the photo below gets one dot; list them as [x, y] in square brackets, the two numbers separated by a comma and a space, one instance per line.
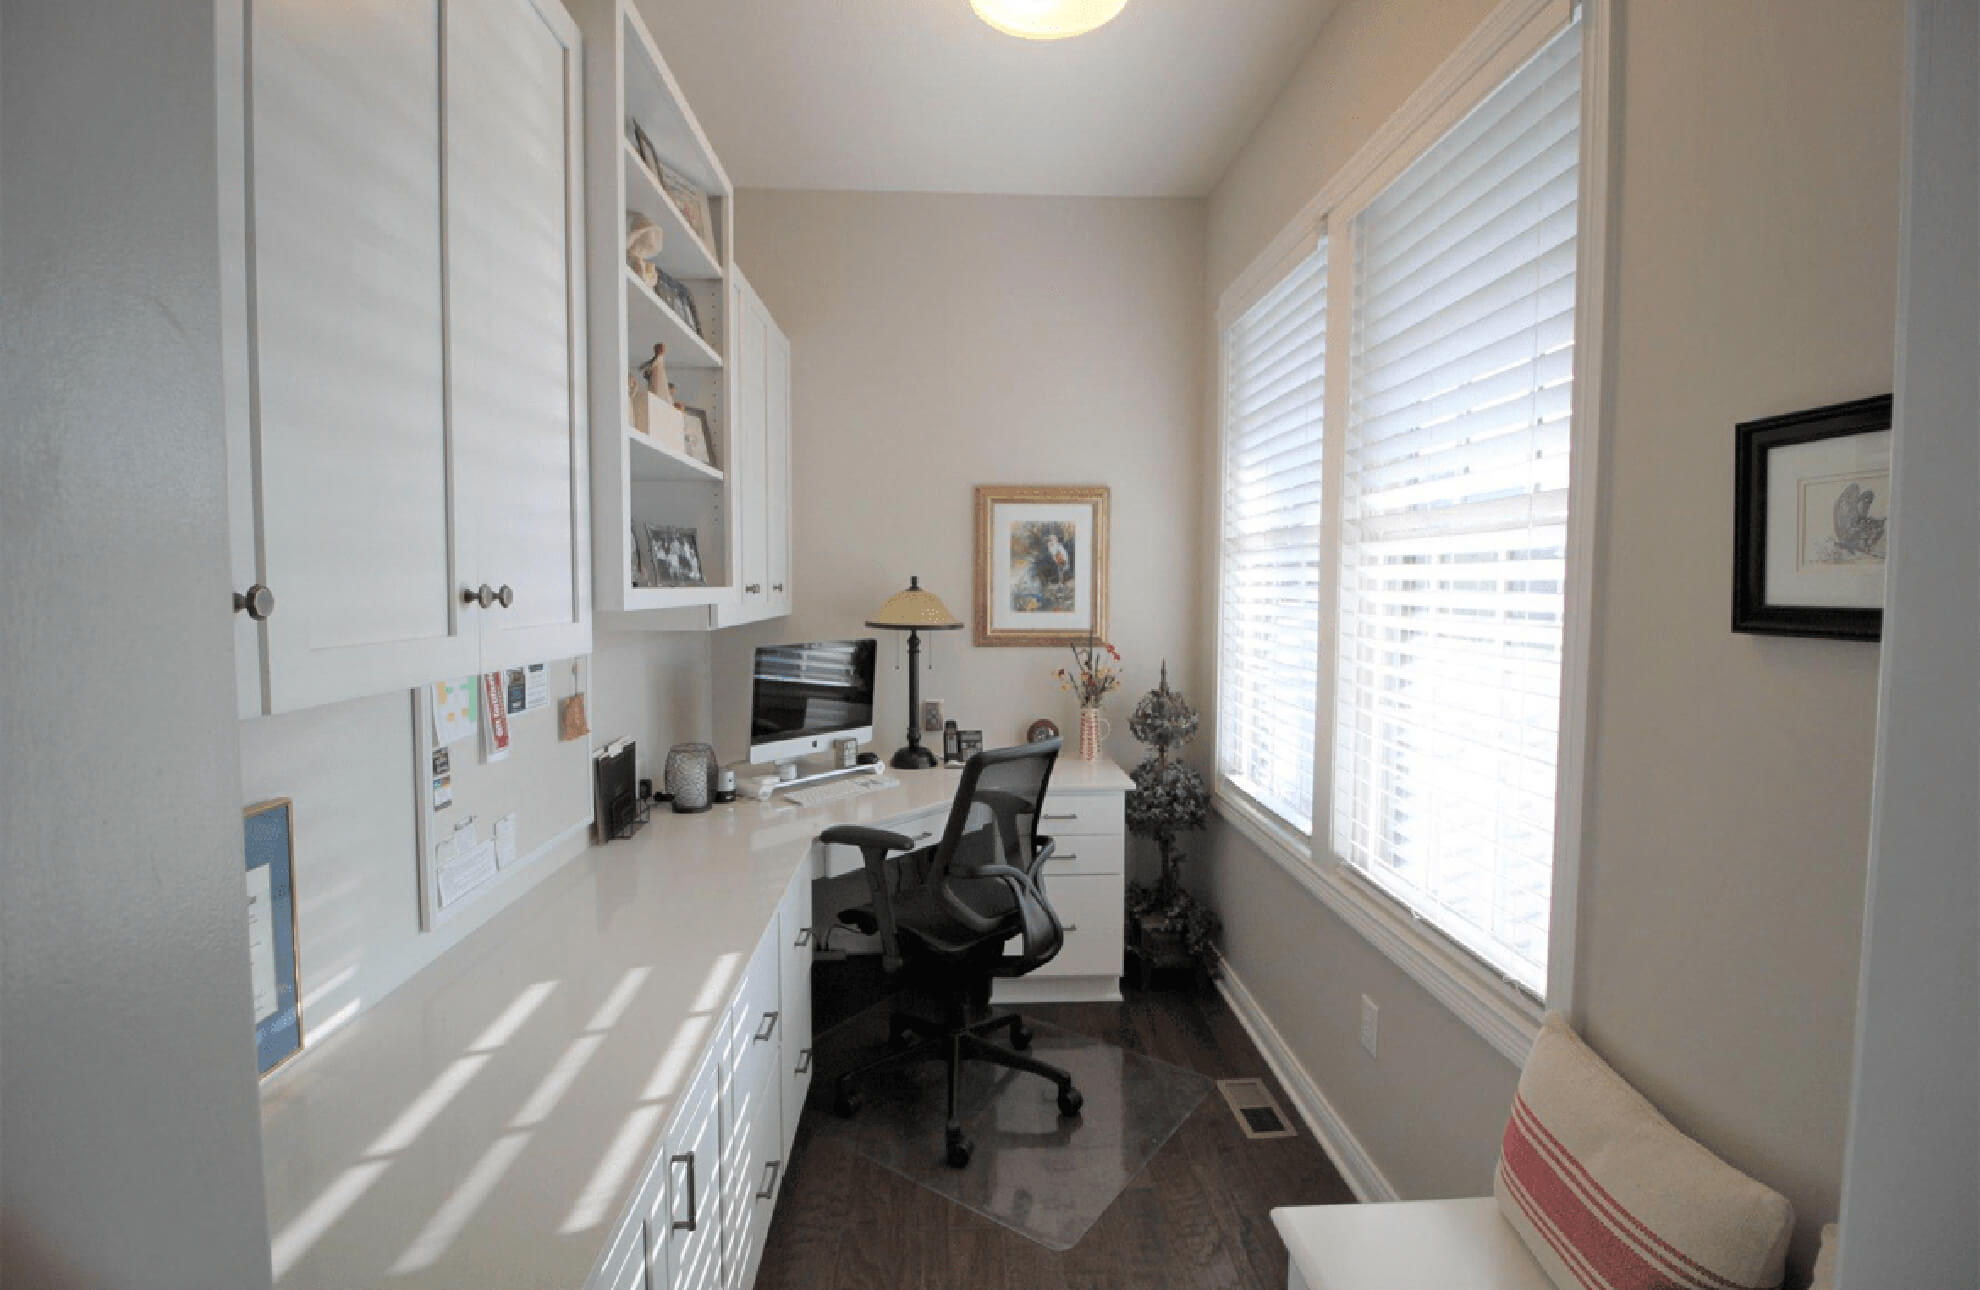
[483, 1125]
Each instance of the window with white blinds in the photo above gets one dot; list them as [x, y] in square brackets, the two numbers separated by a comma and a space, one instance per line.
[1275, 359]
[1454, 515]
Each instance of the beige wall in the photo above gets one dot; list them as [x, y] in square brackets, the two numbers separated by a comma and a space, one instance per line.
[941, 342]
[1756, 226]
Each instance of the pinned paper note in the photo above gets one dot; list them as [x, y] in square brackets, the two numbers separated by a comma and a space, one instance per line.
[464, 872]
[495, 731]
[454, 710]
[536, 685]
[505, 840]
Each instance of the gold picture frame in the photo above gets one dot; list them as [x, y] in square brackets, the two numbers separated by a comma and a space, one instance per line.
[1041, 564]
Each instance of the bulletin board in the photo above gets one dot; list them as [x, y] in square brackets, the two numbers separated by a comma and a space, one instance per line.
[517, 809]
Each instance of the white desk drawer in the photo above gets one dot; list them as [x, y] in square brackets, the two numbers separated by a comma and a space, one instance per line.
[922, 828]
[1089, 908]
[1085, 853]
[1076, 816]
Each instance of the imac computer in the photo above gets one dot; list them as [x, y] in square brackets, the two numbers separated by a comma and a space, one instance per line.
[806, 697]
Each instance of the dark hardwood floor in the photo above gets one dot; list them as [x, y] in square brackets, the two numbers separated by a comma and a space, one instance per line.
[1196, 1216]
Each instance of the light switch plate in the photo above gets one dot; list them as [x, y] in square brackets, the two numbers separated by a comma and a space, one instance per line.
[931, 715]
[1369, 1014]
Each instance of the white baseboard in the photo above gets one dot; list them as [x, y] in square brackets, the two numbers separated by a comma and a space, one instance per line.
[1322, 1120]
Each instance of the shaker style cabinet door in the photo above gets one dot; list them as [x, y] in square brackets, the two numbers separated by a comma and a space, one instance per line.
[357, 501]
[512, 227]
[777, 471]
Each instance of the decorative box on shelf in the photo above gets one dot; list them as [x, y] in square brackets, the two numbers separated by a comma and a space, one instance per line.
[660, 420]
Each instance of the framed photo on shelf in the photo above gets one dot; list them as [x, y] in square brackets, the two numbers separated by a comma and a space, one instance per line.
[692, 202]
[1041, 564]
[644, 146]
[676, 556]
[273, 965]
[699, 438]
[1811, 513]
[674, 293]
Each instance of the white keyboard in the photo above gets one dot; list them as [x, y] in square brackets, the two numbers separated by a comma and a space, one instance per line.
[838, 790]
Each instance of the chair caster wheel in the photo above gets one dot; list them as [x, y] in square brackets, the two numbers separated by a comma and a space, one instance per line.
[959, 1149]
[1020, 1037]
[1070, 1101]
[846, 1104]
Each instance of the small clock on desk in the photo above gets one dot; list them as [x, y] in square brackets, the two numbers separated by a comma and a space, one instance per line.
[1042, 729]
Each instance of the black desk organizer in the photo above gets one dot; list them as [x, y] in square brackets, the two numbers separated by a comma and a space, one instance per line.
[620, 809]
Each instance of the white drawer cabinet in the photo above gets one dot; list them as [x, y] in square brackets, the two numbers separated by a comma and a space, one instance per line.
[405, 399]
[1086, 882]
[796, 937]
[683, 1226]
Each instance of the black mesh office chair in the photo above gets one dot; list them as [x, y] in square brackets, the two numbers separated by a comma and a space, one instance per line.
[944, 914]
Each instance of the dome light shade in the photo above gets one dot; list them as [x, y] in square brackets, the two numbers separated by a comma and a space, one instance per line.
[1047, 19]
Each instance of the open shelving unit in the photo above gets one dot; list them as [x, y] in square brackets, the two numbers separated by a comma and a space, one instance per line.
[637, 481]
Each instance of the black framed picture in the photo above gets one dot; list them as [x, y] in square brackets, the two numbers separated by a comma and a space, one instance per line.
[1812, 497]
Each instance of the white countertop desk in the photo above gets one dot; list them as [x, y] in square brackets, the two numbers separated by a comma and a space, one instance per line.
[482, 1125]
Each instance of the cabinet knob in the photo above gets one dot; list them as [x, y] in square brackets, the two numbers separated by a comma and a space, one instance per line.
[257, 602]
[483, 595]
[506, 596]
[754, 589]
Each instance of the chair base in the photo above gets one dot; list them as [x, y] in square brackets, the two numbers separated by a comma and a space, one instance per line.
[911, 1039]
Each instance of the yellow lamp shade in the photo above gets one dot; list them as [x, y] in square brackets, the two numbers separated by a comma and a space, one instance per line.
[915, 609]
[1047, 19]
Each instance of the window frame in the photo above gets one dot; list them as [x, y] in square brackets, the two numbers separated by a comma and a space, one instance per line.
[1500, 1011]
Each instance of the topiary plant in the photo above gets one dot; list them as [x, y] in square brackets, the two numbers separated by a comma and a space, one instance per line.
[1168, 799]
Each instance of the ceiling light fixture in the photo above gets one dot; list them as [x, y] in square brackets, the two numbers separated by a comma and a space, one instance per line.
[1047, 19]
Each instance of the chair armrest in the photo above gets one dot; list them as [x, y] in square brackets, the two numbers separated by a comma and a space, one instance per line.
[1043, 933]
[861, 836]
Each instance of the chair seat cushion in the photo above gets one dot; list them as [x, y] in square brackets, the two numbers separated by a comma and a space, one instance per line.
[1407, 1245]
[1610, 1196]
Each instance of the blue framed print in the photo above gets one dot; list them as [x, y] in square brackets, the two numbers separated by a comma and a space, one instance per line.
[271, 900]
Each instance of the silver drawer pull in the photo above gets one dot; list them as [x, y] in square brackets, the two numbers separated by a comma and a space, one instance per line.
[1070, 855]
[803, 938]
[922, 837]
[687, 1224]
[1069, 815]
[805, 1064]
[770, 1169]
[1071, 928]
[768, 1028]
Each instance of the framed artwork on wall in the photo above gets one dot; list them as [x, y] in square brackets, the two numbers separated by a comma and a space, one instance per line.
[1811, 512]
[1041, 564]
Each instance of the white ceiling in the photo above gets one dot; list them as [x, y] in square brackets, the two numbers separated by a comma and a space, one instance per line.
[921, 96]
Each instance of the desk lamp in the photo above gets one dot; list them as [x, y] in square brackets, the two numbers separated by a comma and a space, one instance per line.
[914, 611]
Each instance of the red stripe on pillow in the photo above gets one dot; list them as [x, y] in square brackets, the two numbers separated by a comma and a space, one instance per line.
[1619, 1263]
[1570, 1257]
[1599, 1195]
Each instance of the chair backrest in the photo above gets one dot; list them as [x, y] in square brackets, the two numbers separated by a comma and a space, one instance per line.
[994, 821]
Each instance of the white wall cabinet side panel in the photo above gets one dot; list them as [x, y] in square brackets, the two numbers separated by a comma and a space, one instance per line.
[515, 320]
[753, 418]
[357, 503]
[777, 471]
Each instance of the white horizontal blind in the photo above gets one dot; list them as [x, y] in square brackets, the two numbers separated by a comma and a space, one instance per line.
[1269, 624]
[1454, 515]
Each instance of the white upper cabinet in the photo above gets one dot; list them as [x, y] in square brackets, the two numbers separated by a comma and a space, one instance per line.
[763, 461]
[409, 311]
[356, 491]
[514, 249]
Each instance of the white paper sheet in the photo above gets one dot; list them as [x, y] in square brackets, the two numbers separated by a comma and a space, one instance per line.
[454, 710]
[261, 942]
[505, 840]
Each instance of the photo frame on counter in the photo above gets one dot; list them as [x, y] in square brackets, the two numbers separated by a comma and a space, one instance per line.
[1811, 513]
[274, 967]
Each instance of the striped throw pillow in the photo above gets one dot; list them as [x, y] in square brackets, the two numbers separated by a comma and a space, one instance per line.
[1608, 1195]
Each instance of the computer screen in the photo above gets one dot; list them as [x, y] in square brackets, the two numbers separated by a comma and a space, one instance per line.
[805, 695]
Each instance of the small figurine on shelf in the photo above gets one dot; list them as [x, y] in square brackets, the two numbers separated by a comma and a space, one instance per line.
[654, 372]
[643, 241]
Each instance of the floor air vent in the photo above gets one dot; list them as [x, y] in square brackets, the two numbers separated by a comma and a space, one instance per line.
[1257, 1111]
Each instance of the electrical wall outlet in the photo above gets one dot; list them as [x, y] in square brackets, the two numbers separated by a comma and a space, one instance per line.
[931, 715]
[1369, 1013]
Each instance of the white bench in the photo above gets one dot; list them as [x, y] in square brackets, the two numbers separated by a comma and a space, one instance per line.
[1405, 1245]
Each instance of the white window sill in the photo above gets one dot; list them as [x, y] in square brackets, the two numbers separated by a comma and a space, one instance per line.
[1503, 1016]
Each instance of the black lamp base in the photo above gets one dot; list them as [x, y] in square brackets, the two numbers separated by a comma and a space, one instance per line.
[913, 757]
